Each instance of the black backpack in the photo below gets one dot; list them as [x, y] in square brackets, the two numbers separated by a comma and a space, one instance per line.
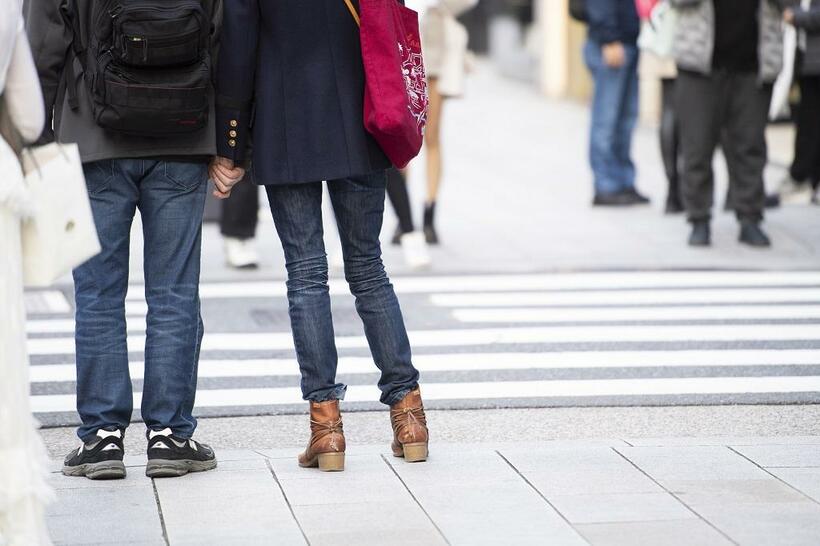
[147, 66]
[578, 10]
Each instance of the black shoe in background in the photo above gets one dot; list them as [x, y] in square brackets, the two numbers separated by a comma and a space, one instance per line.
[619, 199]
[701, 234]
[752, 235]
[636, 198]
[100, 459]
[170, 456]
[396, 240]
[430, 234]
[673, 205]
[772, 201]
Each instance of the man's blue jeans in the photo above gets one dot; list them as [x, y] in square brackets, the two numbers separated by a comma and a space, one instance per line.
[614, 114]
[170, 197]
[358, 204]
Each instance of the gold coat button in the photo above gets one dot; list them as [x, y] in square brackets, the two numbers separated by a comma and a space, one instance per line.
[233, 123]
[232, 134]
[232, 143]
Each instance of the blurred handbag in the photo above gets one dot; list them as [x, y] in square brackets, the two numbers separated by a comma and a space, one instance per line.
[658, 32]
[60, 234]
[395, 96]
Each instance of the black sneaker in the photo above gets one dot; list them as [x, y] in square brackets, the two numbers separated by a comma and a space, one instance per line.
[752, 235]
[636, 198]
[170, 456]
[618, 199]
[701, 234]
[100, 459]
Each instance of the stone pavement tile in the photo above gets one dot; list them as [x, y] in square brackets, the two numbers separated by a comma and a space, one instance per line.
[697, 493]
[241, 506]
[399, 521]
[476, 497]
[692, 463]
[579, 470]
[651, 533]
[724, 441]
[105, 515]
[620, 507]
[782, 456]
[806, 480]
[764, 524]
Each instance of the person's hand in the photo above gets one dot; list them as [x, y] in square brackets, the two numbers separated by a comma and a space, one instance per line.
[225, 176]
[614, 54]
[788, 15]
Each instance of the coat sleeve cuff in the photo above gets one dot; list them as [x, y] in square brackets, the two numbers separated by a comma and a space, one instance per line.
[233, 128]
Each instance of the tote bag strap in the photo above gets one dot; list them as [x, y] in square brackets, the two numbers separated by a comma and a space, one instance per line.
[353, 11]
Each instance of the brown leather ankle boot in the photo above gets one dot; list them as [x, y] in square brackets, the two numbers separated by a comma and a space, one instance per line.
[410, 434]
[326, 448]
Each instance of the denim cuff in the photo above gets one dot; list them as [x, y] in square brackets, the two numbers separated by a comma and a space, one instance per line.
[397, 396]
[323, 395]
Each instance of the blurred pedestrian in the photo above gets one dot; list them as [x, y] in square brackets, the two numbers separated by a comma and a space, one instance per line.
[656, 40]
[413, 244]
[801, 183]
[23, 467]
[728, 53]
[444, 43]
[611, 54]
[135, 157]
[240, 216]
[308, 128]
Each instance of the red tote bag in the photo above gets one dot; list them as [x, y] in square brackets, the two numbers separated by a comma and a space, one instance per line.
[395, 96]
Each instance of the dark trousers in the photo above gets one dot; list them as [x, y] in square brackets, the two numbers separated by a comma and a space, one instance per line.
[240, 213]
[806, 165]
[670, 138]
[730, 108]
[400, 199]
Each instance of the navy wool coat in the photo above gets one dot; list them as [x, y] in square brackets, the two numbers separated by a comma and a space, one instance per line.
[290, 80]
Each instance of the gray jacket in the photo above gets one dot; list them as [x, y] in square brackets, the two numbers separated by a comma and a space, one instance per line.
[51, 40]
[695, 37]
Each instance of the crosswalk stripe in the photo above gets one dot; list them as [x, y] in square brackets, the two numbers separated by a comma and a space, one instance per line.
[492, 336]
[288, 367]
[582, 388]
[66, 326]
[629, 297]
[625, 314]
[547, 281]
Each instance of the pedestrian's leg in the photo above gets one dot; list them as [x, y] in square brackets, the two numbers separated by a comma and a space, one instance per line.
[240, 213]
[609, 85]
[400, 199]
[104, 395]
[745, 140]
[297, 213]
[627, 118]
[809, 124]
[696, 105]
[670, 145]
[172, 200]
[359, 207]
[432, 147]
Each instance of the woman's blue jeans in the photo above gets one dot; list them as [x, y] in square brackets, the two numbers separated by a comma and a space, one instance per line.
[358, 204]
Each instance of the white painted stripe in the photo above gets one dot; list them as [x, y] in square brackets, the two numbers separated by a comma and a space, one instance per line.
[622, 314]
[136, 325]
[47, 301]
[473, 362]
[629, 297]
[547, 281]
[282, 341]
[493, 390]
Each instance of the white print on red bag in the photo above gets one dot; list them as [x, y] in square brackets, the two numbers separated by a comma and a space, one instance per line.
[412, 67]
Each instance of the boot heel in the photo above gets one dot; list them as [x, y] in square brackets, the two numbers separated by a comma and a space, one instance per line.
[332, 462]
[414, 453]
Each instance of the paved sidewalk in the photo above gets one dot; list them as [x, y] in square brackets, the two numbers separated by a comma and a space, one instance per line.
[610, 491]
